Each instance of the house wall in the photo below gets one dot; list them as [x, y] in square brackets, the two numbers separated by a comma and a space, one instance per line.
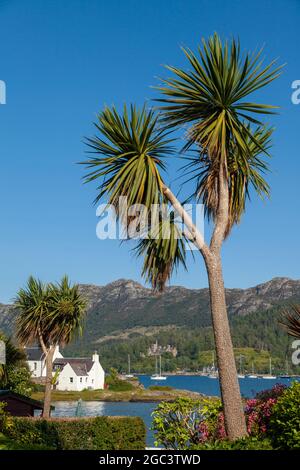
[38, 368]
[97, 376]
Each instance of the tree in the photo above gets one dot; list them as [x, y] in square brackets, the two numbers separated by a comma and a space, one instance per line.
[14, 374]
[225, 149]
[49, 315]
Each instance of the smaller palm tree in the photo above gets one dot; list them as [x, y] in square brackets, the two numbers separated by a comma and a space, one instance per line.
[291, 321]
[49, 315]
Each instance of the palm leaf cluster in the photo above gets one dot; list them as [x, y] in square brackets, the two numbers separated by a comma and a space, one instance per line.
[223, 130]
[291, 321]
[243, 173]
[210, 95]
[163, 251]
[52, 312]
[129, 157]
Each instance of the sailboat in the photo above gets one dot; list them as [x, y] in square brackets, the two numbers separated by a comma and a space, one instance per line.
[213, 373]
[129, 375]
[270, 376]
[252, 375]
[157, 376]
[240, 374]
[286, 375]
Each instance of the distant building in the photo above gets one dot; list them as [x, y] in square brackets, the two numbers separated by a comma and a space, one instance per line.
[155, 349]
[72, 374]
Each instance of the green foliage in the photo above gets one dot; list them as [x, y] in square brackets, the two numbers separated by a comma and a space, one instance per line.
[19, 380]
[161, 388]
[247, 443]
[284, 429]
[100, 433]
[115, 384]
[51, 313]
[176, 424]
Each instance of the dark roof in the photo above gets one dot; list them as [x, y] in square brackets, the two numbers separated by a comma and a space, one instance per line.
[81, 366]
[34, 353]
[9, 394]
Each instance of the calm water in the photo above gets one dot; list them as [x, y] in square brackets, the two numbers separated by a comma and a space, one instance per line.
[194, 383]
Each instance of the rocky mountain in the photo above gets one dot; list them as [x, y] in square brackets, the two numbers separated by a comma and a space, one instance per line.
[125, 305]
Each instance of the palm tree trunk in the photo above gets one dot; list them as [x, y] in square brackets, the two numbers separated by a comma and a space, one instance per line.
[230, 391]
[48, 384]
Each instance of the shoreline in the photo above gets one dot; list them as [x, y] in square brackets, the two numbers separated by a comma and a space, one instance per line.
[139, 395]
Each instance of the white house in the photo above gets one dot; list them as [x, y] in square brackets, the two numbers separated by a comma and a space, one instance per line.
[36, 360]
[72, 374]
[76, 374]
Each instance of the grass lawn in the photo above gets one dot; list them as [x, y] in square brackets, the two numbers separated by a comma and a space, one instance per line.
[9, 444]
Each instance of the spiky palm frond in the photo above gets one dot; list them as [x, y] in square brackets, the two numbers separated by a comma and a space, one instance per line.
[245, 169]
[67, 309]
[291, 321]
[163, 251]
[211, 95]
[33, 304]
[129, 151]
[50, 312]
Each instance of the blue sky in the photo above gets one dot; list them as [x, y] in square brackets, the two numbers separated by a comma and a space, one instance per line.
[62, 61]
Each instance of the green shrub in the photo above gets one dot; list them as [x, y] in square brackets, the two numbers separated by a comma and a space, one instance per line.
[160, 388]
[284, 428]
[247, 443]
[100, 433]
[176, 424]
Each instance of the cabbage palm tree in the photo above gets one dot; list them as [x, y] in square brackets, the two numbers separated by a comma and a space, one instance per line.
[225, 149]
[49, 315]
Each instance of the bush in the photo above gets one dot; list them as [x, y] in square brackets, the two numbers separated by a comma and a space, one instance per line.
[284, 429]
[247, 443]
[160, 388]
[176, 424]
[100, 433]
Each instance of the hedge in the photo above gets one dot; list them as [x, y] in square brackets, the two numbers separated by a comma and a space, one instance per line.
[100, 433]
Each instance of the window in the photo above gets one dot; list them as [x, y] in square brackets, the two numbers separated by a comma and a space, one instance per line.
[35, 365]
[86, 379]
[71, 380]
[92, 381]
[80, 379]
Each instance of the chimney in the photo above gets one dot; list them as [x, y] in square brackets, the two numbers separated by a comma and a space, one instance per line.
[95, 357]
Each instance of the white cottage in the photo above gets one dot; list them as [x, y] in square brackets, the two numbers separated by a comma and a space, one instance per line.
[72, 374]
[76, 374]
[36, 360]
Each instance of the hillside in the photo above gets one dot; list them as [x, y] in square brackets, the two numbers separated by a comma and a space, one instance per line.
[125, 311]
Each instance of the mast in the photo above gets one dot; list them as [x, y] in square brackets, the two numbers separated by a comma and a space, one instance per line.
[160, 366]
[128, 364]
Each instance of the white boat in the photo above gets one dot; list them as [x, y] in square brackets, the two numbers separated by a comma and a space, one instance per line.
[158, 376]
[270, 376]
[252, 375]
[240, 374]
[213, 376]
[129, 375]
